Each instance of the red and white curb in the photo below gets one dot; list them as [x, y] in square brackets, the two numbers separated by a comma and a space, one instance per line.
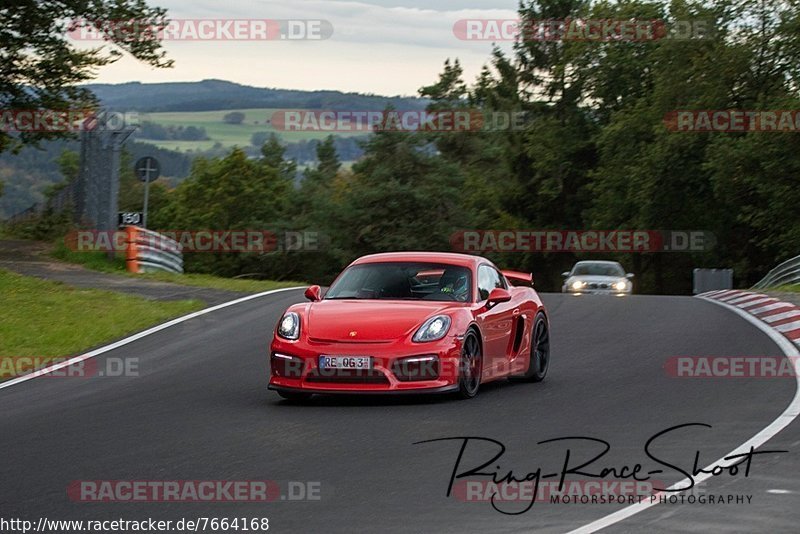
[783, 317]
[762, 311]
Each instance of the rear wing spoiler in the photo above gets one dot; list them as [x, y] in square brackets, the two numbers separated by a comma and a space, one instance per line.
[519, 279]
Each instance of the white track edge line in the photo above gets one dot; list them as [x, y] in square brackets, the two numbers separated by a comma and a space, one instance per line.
[139, 335]
[782, 421]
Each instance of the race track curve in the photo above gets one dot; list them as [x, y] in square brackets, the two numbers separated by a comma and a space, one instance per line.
[199, 410]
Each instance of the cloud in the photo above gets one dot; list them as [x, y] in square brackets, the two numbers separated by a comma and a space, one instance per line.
[381, 46]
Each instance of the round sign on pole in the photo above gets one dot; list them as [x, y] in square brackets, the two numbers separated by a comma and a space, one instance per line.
[147, 169]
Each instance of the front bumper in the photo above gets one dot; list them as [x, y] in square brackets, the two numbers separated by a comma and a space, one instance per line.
[597, 289]
[598, 292]
[385, 376]
[415, 391]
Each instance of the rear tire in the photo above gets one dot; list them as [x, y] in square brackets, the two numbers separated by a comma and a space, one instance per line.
[539, 361]
[470, 366]
[293, 396]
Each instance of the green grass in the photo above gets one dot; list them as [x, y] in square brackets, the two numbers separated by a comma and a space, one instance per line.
[227, 134]
[94, 260]
[217, 282]
[98, 261]
[795, 288]
[49, 319]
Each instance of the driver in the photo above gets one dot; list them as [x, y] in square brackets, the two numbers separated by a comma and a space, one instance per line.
[455, 282]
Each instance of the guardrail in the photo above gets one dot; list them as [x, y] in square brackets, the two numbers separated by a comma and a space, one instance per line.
[148, 251]
[786, 273]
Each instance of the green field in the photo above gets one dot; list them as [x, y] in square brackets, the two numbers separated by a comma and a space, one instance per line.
[229, 135]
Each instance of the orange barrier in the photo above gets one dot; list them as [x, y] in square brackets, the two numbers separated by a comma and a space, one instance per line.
[147, 251]
[131, 249]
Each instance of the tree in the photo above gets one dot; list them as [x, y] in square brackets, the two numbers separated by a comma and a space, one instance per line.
[327, 160]
[313, 196]
[69, 165]
[450, 90]
[42, 69]
[259, 138]
[231, 193]
[272, 153]
[400, 197]
[234, 117]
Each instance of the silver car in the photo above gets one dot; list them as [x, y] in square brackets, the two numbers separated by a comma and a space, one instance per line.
[600, 277]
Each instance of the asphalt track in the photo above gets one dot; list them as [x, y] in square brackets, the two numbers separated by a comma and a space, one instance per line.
[199, 411]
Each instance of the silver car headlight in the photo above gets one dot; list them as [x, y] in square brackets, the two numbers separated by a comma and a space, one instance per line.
[577, 284]
[622, 285]
[433, 329]
[289, 327]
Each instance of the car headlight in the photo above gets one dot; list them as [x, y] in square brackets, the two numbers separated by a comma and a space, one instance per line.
[577, 284]
[434, 328]
[622, 285]
[289, 327]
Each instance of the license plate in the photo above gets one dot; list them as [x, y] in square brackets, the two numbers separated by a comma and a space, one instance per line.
[345, 362]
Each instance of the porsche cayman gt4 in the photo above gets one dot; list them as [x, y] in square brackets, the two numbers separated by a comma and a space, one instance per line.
[412, 322]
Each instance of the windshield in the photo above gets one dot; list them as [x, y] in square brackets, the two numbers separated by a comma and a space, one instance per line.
[598, 269]
[403, 281]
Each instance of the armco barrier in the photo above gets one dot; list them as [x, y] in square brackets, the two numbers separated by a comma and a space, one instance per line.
[786, 273]
[148, 251]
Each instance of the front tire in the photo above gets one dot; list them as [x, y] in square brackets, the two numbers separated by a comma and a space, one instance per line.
[539, 361]
[470, 366]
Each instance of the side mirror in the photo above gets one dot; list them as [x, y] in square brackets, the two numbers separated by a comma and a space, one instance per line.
[629, 276]
[565, 274]
[312, 293]
[497, 296]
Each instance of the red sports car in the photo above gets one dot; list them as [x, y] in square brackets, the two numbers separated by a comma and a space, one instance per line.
[403, 322]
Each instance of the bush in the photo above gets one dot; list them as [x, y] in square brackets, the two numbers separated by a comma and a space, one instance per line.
[234, 117]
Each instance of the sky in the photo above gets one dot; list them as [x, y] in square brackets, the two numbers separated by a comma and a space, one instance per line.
[386, 47]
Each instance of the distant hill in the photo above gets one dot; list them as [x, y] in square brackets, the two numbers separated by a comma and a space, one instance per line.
[209, 95]
[27, 174]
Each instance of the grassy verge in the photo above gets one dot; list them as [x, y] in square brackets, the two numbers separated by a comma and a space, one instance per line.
[98, 261]
[216, 282]
[789, 289]
[48, 319]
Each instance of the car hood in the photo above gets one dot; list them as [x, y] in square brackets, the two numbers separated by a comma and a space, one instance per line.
[364, 321]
